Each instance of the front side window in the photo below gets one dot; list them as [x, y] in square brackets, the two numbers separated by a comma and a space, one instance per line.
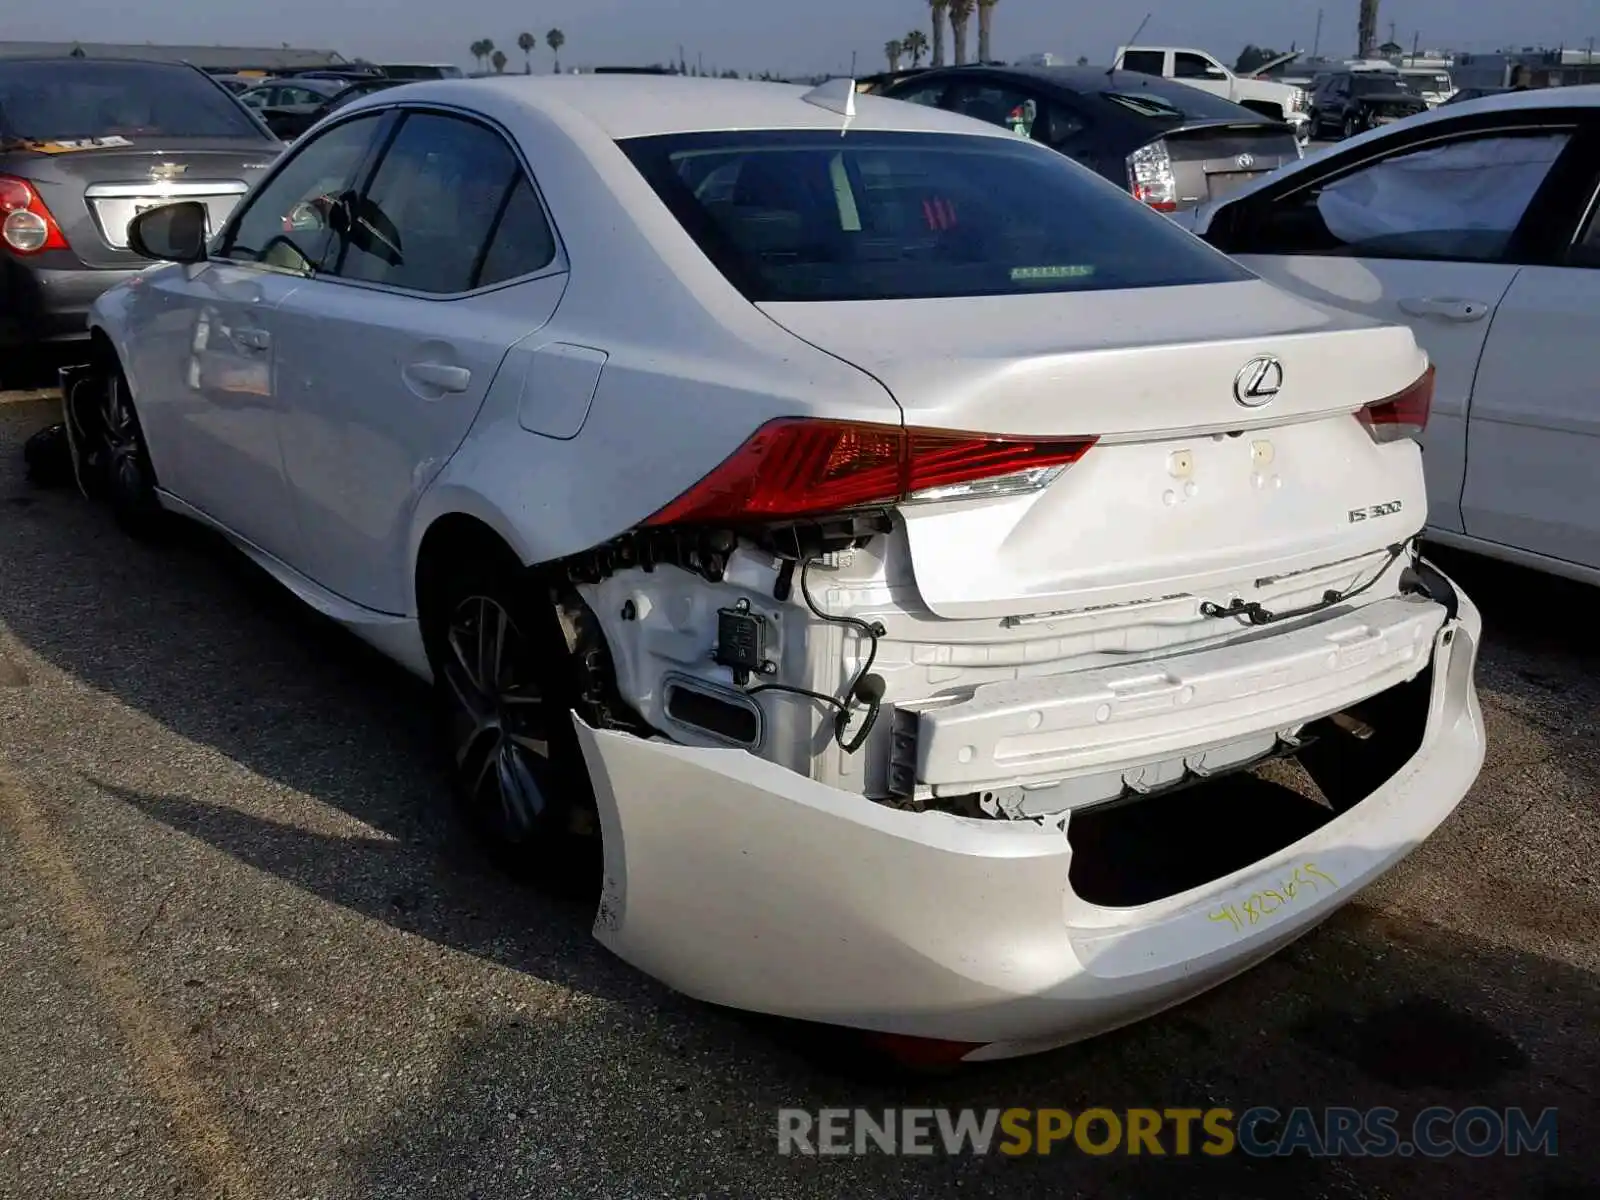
[1193, 66]
[1460, 200]
[288, 223]
[430, 219]
[810, 215]
[71, 100]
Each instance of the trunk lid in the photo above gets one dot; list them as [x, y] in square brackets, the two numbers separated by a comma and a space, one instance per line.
[1218, 158]
[93, 194]
[1189, 490]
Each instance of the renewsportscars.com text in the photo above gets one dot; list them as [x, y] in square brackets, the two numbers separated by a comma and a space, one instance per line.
[1260, 1132]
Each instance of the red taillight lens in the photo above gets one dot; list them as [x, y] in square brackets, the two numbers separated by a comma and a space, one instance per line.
[795, 467]
[1403, 415]
[26, 225]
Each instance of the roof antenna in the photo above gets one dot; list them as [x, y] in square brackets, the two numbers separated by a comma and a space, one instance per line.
[1133, 41]
[838, 96]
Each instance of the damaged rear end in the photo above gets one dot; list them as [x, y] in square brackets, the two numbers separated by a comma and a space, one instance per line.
[1107, 670]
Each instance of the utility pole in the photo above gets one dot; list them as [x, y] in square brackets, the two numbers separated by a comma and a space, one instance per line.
[1391, 33]
[1416, 45]
[852, 64]
[1316, 41]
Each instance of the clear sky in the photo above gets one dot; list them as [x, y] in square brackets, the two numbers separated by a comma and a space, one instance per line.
[813, 36]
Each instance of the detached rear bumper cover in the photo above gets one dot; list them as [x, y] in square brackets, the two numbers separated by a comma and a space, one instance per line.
[741, 883]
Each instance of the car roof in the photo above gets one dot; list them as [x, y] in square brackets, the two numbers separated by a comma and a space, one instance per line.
[61, 60]
[628, 106]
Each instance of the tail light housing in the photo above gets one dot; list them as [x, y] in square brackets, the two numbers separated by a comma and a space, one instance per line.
[797, 467]
[26, 226]
[1403, 415]
[1150, 176]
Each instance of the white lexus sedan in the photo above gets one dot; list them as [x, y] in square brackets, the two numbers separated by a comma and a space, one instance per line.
[889, 549]
[1477, 224]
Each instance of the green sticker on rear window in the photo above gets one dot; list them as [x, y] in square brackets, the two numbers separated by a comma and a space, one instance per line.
[1046, 274]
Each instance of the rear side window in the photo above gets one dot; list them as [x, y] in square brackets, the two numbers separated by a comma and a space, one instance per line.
[811, 215]
[1146, 62]
[435, 215]
[69, 100]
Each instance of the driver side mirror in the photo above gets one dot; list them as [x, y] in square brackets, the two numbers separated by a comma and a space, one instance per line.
[174, 232]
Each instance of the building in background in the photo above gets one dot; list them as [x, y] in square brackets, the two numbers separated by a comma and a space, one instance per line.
[230, 59]
[1546, 68]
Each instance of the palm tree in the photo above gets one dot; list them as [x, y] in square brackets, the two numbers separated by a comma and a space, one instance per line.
[479, 53]
[985, 29]
[526, 42]
[960, 17]
[915, 44]
[938, 8]
[488, 49]
[892, 50]
[555, 39]
[498, 58]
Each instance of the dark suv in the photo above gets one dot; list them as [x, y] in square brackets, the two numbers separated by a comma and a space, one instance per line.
[1351, 102]
[85, 146]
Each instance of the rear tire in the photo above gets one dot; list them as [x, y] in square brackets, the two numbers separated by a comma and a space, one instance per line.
[1351, 126]
[505, 684]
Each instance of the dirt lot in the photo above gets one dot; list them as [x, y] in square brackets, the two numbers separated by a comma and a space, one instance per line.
[245, 952]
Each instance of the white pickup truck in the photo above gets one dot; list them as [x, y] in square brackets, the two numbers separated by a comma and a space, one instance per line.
[1196, 68]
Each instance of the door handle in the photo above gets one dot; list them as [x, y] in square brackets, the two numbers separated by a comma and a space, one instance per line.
[1449, 308]
[253, 339]
[439, 377]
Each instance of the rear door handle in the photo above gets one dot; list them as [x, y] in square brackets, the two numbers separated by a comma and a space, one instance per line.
[253, 339]
[1449, 308]
[439, 377]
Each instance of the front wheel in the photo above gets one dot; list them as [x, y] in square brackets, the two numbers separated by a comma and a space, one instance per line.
[116, 460]
[502, 671]
[1351, 126]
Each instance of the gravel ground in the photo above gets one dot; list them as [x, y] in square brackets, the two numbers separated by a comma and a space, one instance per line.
[244, 951]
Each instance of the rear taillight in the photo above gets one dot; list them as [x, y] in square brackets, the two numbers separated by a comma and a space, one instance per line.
[796, 467]
[26, 225]
[1403, 415]
[1150, 177]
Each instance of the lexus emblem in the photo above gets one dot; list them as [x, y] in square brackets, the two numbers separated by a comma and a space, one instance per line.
[1258, 381]
[1246, 161]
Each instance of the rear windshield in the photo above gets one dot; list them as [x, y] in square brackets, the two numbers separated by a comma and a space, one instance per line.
[67, 100]
[811, 215]
[1376, 82]
[1170, 105]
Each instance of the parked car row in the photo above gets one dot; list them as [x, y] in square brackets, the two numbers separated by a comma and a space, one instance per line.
[1170, 145]
[293, 105]
[851, 531]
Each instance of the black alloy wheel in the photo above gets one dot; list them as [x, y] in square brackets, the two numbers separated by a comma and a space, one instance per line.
[120, 460]
[517, 768]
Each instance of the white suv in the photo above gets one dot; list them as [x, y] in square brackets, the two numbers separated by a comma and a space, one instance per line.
[896, 587]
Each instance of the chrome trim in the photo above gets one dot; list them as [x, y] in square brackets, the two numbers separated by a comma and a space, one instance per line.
[165, 189]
